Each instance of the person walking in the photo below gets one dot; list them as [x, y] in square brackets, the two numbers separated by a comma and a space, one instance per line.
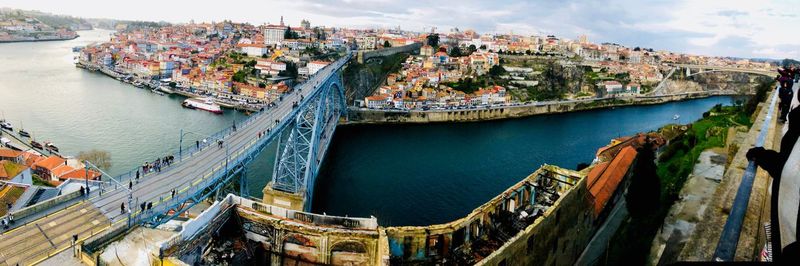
[130, 185]
[122, 208]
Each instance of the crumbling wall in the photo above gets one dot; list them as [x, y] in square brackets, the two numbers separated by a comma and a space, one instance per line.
[558, 238]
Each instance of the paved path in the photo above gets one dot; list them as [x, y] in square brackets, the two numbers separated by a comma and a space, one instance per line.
[45, 237]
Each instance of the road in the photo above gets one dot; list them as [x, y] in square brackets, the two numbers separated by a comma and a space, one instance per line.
[42, 238]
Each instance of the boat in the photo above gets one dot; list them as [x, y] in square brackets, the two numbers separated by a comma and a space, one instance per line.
[166, 89]
[22, 132]
[676, 117]
[158, 92]
[6, 125]
[36, 144]
[206, 104]
[50, 146]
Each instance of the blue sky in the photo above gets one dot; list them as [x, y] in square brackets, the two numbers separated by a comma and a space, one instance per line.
[710, 27]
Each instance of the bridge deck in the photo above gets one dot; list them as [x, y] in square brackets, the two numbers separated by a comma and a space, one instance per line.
[42, 238]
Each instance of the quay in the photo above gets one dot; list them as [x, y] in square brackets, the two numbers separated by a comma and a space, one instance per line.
[180, 91]
[358, 115]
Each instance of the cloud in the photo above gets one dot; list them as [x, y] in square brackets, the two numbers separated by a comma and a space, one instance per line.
[680, 25]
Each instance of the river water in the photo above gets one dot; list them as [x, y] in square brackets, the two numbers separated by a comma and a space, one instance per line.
[402, 174]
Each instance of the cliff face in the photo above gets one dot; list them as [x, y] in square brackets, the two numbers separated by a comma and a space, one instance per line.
[361, 80]
[737, 83]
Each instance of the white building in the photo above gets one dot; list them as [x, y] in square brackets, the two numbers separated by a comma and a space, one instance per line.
[366, 42]
[315, 66]
[273, 34]
[254, 50]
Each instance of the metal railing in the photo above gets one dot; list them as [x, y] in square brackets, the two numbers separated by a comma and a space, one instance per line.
[729, 239]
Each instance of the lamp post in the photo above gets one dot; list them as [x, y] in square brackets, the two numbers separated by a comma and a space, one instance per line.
[180, 142]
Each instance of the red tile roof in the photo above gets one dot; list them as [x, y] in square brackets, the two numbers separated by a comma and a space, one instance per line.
[50, 163]
[604, 178]
[9, 153]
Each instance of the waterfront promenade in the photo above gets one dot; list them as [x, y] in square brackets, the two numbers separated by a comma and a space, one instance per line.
[39, 239]
[515, 110]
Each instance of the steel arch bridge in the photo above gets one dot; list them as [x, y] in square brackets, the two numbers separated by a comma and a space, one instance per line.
[303, 136]
[309, 135]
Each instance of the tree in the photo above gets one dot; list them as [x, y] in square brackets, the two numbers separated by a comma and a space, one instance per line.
[455, 52]
[291, 70]
[433, 39]
[472, 48]
[100, 158]
[483, 47]
[290, 34]
[386, 44]
[239, 76]
[172, 84]
[497, 71]
[644, 192]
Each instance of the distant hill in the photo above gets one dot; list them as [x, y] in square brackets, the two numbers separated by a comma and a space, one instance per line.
[75, 23]
[52, 20]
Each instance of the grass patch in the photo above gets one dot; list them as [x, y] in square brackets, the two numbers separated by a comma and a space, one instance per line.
[632, 241]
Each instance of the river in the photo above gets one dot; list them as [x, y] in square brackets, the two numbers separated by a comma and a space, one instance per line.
[402, 174]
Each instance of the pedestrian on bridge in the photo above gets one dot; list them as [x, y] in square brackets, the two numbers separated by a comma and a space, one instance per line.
[137, 174]
[197, 144]
[122, 208]
[130, 185]
[173, 193]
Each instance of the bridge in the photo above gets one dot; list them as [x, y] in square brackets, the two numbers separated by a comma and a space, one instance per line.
[302, 123]
[707, 69]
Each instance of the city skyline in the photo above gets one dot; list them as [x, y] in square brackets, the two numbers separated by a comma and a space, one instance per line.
[716, 28]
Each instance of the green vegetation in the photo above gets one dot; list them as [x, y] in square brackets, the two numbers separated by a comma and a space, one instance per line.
[290, 34]
[240, 76]
[645, 187]
[433, 40]
[674, 166]
[9, 194]
[456, 52]
[37, 180]
[386, 44]
[468, 85]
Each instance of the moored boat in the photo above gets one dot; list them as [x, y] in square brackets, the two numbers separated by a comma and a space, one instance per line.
[6, 125]
[24, 133]
[50, 146]
[206, 104]
[36, 144]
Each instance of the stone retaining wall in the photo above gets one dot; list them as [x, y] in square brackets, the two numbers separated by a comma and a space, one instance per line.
[373, 116]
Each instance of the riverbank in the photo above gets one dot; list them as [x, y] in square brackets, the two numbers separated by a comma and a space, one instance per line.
[373, 116]
[140, 83]
[40, 40]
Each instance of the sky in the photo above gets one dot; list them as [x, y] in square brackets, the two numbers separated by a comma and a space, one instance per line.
[750, 29]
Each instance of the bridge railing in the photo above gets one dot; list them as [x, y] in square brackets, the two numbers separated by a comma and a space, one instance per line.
[192, 188]
[729, 238]
[221, 134]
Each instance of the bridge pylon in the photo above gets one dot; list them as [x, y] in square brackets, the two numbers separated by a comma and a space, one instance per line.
[302, 148]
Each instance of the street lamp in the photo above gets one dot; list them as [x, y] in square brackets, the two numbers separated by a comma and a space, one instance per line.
[180, 142]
